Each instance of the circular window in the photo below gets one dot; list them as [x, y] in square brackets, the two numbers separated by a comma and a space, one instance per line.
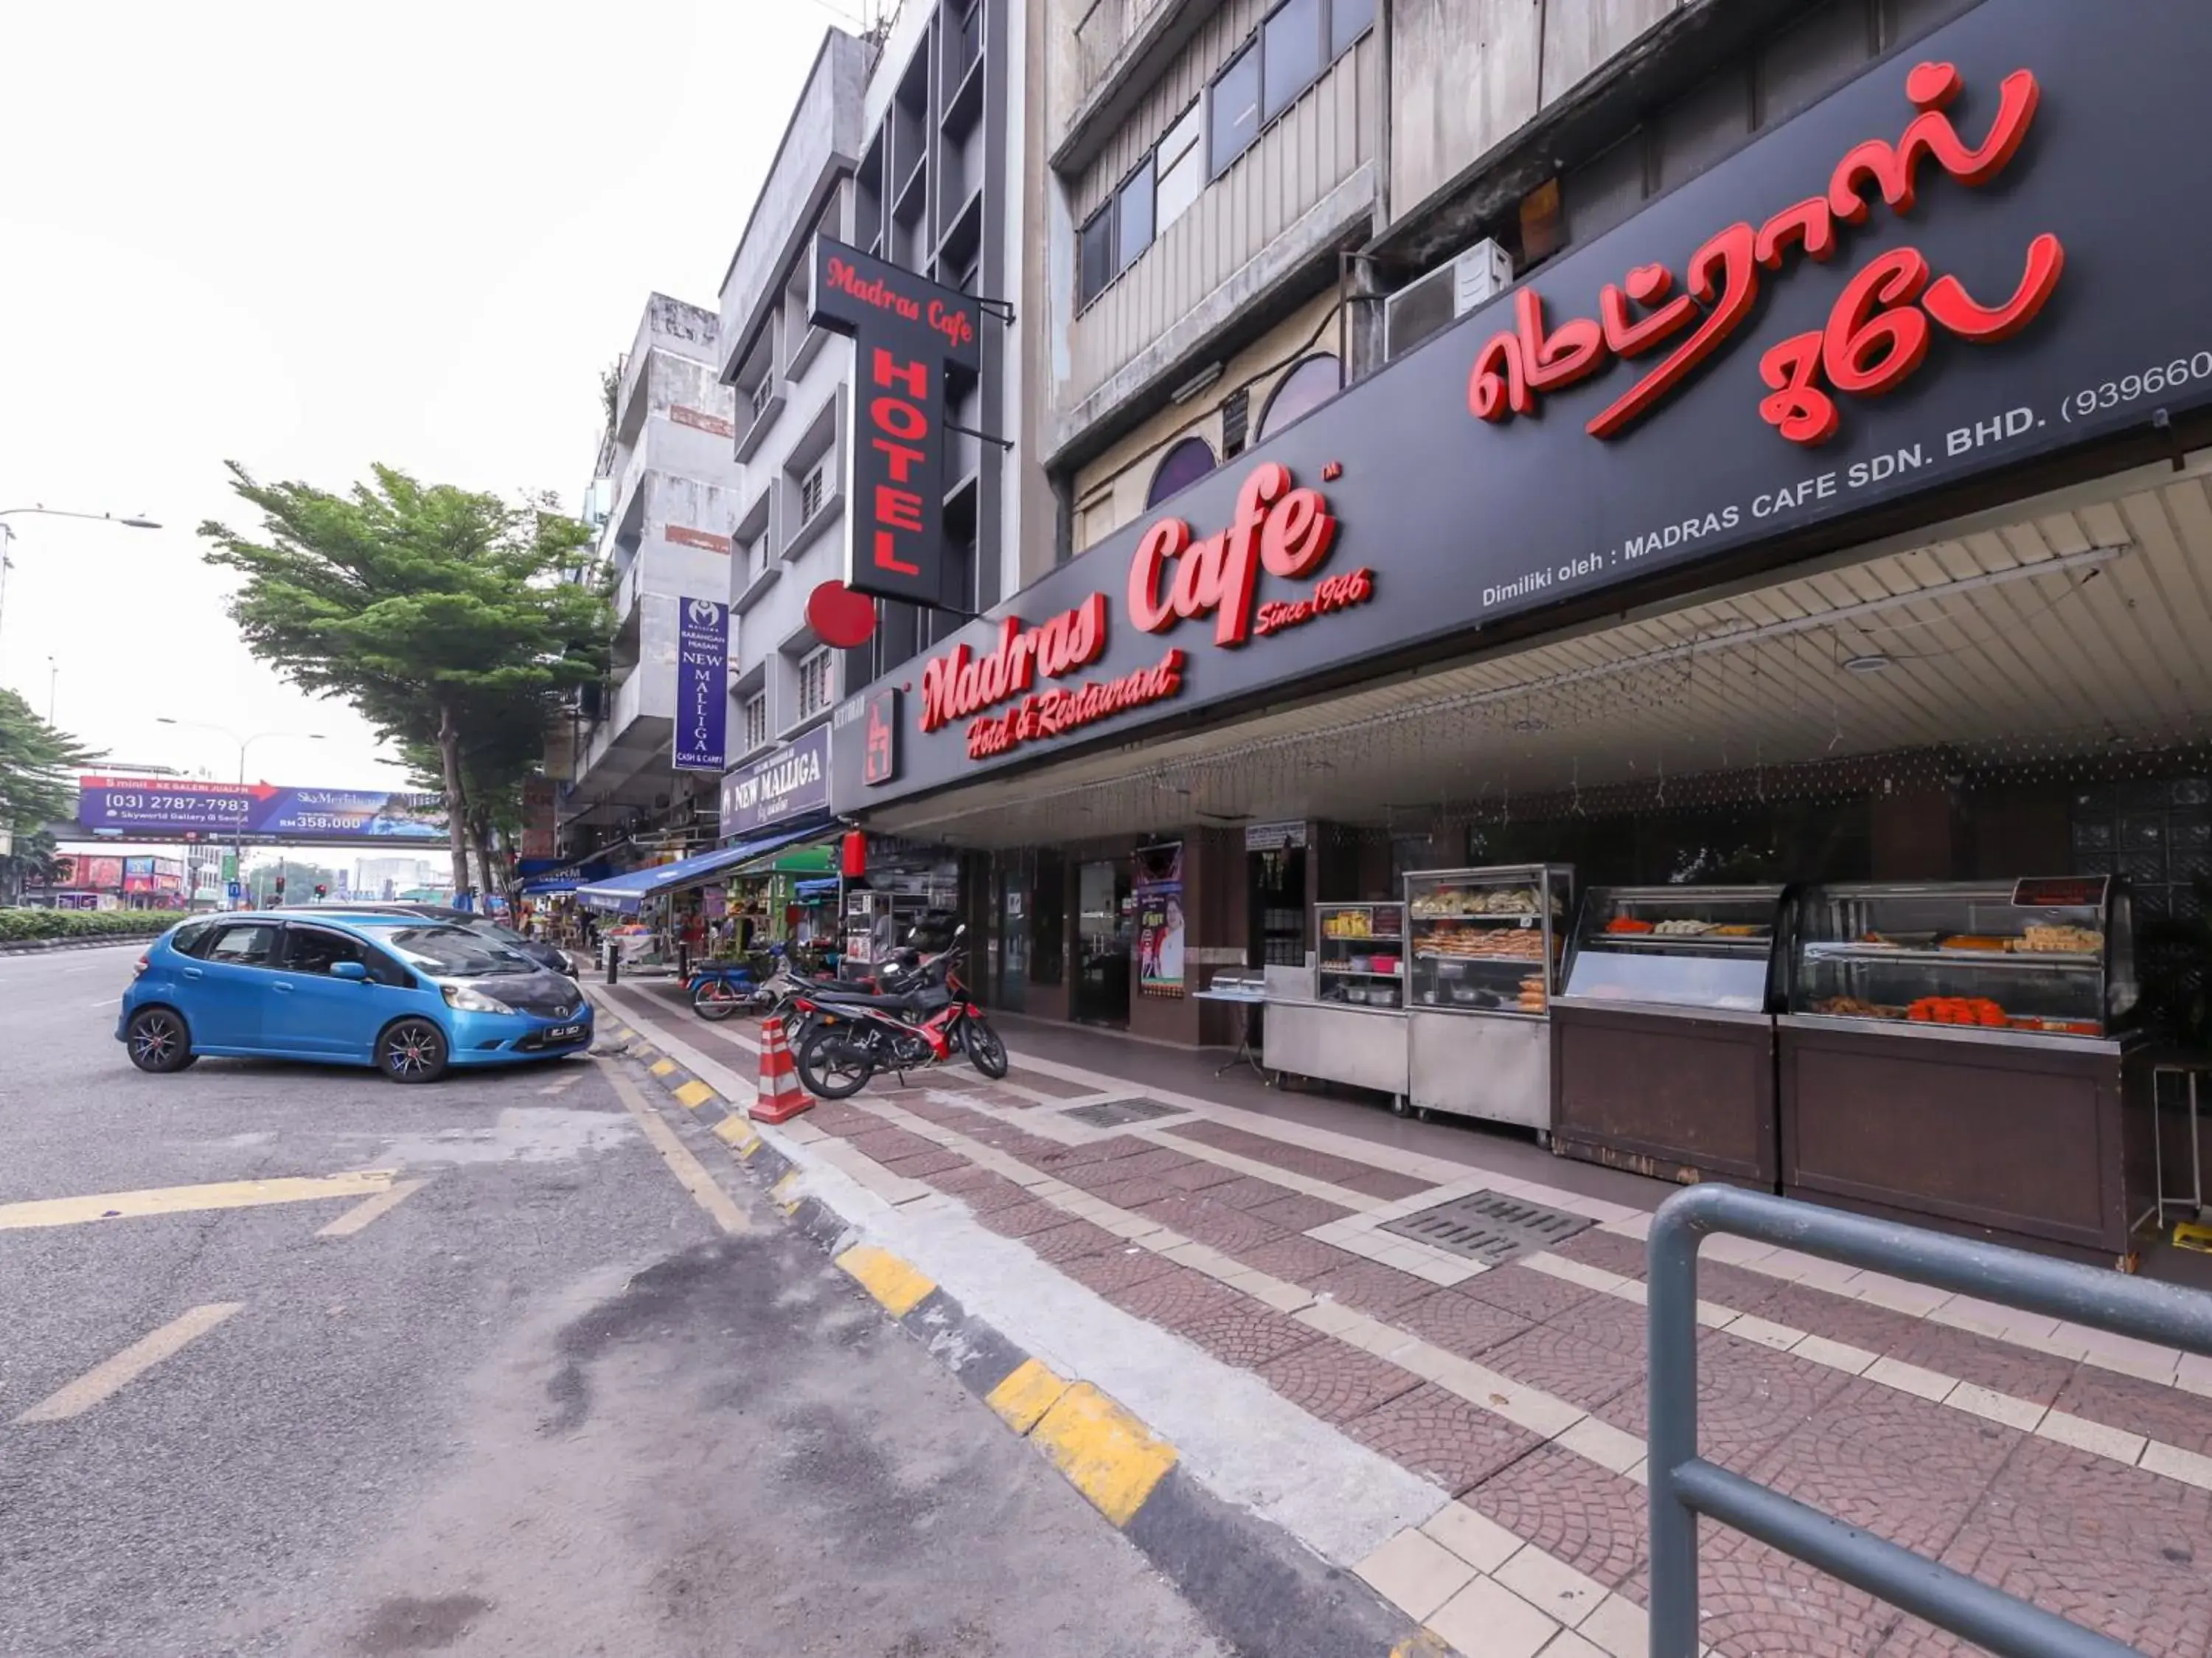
[1179, 468]
[1305, 388]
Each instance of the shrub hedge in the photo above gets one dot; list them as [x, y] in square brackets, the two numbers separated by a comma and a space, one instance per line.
[18, 926]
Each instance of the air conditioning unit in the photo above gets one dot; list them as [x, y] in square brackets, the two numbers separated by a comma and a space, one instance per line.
[1442, 297]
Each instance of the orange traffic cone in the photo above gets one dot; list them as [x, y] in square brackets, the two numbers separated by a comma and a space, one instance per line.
[779, 1097]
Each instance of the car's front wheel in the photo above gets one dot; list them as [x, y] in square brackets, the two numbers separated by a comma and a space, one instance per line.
[159, 1042]
[412, 1051]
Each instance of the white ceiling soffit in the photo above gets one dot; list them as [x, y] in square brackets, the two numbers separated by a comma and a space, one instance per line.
[2066, 625]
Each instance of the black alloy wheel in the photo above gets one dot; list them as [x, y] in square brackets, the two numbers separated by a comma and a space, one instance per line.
[984, 1051]
[159, 1042]
[834, 1066]
[411, 1051]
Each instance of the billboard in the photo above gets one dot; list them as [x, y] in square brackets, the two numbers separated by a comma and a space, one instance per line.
[702, 684]
[793, 780]
[173, 807]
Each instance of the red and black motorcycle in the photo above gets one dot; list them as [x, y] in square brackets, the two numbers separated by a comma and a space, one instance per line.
[847, 1037]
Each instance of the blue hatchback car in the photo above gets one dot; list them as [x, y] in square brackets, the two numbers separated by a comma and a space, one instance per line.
[408, 995]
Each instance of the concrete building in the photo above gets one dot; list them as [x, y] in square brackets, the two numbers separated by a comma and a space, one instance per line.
[664, 495]
[910, 147]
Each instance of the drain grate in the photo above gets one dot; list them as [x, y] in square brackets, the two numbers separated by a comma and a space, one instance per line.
[1490, 1226]
[1120, 1113]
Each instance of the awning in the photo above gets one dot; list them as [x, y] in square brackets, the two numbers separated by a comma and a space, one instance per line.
[791, 855]
[625, 892]
[813, 889]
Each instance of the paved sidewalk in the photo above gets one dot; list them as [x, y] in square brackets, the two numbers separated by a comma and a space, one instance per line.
[2056, 1462]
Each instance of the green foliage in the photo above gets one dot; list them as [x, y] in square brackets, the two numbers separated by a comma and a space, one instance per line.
[39, 768]
[442, 615]
[18, 926]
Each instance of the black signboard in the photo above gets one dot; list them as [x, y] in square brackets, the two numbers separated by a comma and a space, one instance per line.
[1983, 250]
[906, 332]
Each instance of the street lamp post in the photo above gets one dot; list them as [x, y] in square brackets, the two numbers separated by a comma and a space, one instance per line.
[238, 846]
[136, 521]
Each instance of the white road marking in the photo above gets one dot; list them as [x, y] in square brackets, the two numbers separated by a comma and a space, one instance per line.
[370, 1208]
[105, 1380]
[109, 1002]
[564, 1084]
[690, 1171]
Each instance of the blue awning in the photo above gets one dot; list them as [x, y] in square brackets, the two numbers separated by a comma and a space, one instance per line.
[826, 887]
[626, 892]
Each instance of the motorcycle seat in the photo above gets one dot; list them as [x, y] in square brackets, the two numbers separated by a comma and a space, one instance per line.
[903, 1003]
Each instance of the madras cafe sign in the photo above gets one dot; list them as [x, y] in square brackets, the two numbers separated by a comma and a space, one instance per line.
[793, 780]
[1175, 578]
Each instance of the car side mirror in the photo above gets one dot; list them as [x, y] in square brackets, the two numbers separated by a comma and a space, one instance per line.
[352, 969]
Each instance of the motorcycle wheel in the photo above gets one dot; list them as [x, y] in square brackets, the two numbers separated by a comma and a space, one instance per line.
[830, 1068]
[984, 1051]
[714, 1001]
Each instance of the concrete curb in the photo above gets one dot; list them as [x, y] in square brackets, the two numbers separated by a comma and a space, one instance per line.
[1261, 1589]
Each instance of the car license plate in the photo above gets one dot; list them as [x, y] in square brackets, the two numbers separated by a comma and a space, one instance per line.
[565, 1034]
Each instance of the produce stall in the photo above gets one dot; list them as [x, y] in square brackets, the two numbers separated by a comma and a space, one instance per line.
[1353, 1029]
[1482, 960]
[1663, 1043]
[1957, 1055]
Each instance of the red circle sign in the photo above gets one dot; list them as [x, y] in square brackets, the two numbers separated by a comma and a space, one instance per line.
[840, 617]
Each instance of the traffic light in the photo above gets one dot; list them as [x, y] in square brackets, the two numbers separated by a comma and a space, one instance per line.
[322, 891]
[280, 886]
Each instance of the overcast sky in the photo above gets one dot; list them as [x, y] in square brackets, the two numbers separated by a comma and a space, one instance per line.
[310, 237]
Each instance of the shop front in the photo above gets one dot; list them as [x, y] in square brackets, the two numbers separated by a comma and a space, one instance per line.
[781, 796]
[1736, 707]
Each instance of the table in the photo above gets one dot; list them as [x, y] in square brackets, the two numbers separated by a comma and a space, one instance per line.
[1248, 1000]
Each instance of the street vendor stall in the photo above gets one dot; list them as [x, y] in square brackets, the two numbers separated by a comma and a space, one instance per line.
[1349, 1027]
[1483, 957]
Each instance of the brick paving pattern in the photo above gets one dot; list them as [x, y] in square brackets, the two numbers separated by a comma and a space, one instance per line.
[2124, 1549]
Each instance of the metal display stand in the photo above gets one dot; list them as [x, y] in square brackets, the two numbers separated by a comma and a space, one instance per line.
[2193, 1199]
[1251, 999]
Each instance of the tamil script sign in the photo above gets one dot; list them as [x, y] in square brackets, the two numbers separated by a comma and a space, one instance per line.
[189, 810]
[794, 779]
[702, 684]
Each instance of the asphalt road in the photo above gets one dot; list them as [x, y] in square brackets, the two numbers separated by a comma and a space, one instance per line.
[543, 1402]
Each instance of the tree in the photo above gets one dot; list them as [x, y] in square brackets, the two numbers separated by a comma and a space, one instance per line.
[39, 769]
[442, 615]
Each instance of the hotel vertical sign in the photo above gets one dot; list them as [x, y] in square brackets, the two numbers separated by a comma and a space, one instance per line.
[906, 332]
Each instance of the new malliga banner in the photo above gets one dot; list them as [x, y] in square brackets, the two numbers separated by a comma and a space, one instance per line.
[702, 685]
[181, 807]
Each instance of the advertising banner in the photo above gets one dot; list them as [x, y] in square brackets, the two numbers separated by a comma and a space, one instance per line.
[1157, 892]
[702, 684]
[99, 874]
[906, 332]
[1952, 265]
[539, 824]
[173, 807]
[792, 781]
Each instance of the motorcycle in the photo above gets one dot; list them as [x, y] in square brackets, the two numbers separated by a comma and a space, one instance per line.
[847, 1038]
[720, 989]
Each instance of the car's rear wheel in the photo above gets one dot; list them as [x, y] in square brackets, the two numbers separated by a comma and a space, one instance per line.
[159, 1042]
[412, 1051]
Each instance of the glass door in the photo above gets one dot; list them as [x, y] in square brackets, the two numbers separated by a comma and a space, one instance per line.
[1013, 935]
[1101, 989]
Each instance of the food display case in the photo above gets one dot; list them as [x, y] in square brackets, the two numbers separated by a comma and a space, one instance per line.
[1353, 1029]
[1482, 958]
[1663, 1041]
[1957, 1054]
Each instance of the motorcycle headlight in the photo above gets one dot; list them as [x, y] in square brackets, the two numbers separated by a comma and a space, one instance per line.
[465, 1000]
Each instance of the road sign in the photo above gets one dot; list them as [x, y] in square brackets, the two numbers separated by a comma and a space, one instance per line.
[237, 892]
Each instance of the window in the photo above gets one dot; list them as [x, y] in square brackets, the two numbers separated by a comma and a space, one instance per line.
[1132, 209]
[811, 488]
[1179, 167]
[455, 952]
[1290, 51]
[756, 720]
[190, 938]
[1305, 388]
[311, 950]
[1236, 110]
[1347, 20]
[251, 944]
[757, 557]
[1097, 258]
[815, 678]
[764, 390]
[1179, 468]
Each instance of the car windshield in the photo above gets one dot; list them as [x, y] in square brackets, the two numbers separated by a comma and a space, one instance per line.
[453, 952]
[493, 929]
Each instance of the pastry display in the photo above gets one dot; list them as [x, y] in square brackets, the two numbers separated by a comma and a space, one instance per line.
[1629, 924]
[1850, 1007]
[1458, 903]
[1977, 941]
[1531, 995]
[2045, 939]
[1958, 1010]
[1485, 943]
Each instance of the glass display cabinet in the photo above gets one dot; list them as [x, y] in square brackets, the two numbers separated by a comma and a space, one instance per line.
[1359, 953]
[1663, 1041]
[1353, 1029]
[1482, 958]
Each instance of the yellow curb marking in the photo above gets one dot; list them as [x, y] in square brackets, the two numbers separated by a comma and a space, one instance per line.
[738, 1134]
[188, 1199]
[363, 1213]
[1105, 1453]
[1025, 1395]
[662, 1067]
[103, 1380]
[786, 1193]
[1428, 1644]
[627, 1034]
[694, 1093]
[887, 1278]
[689, 1171]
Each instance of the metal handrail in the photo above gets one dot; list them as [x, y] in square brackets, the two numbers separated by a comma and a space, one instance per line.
[1684, 1485]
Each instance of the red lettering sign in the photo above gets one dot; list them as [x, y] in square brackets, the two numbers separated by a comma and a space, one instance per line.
[901, 422]
[959, 684]
[1054, 713]
[1878, 333]
[1172, 578]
